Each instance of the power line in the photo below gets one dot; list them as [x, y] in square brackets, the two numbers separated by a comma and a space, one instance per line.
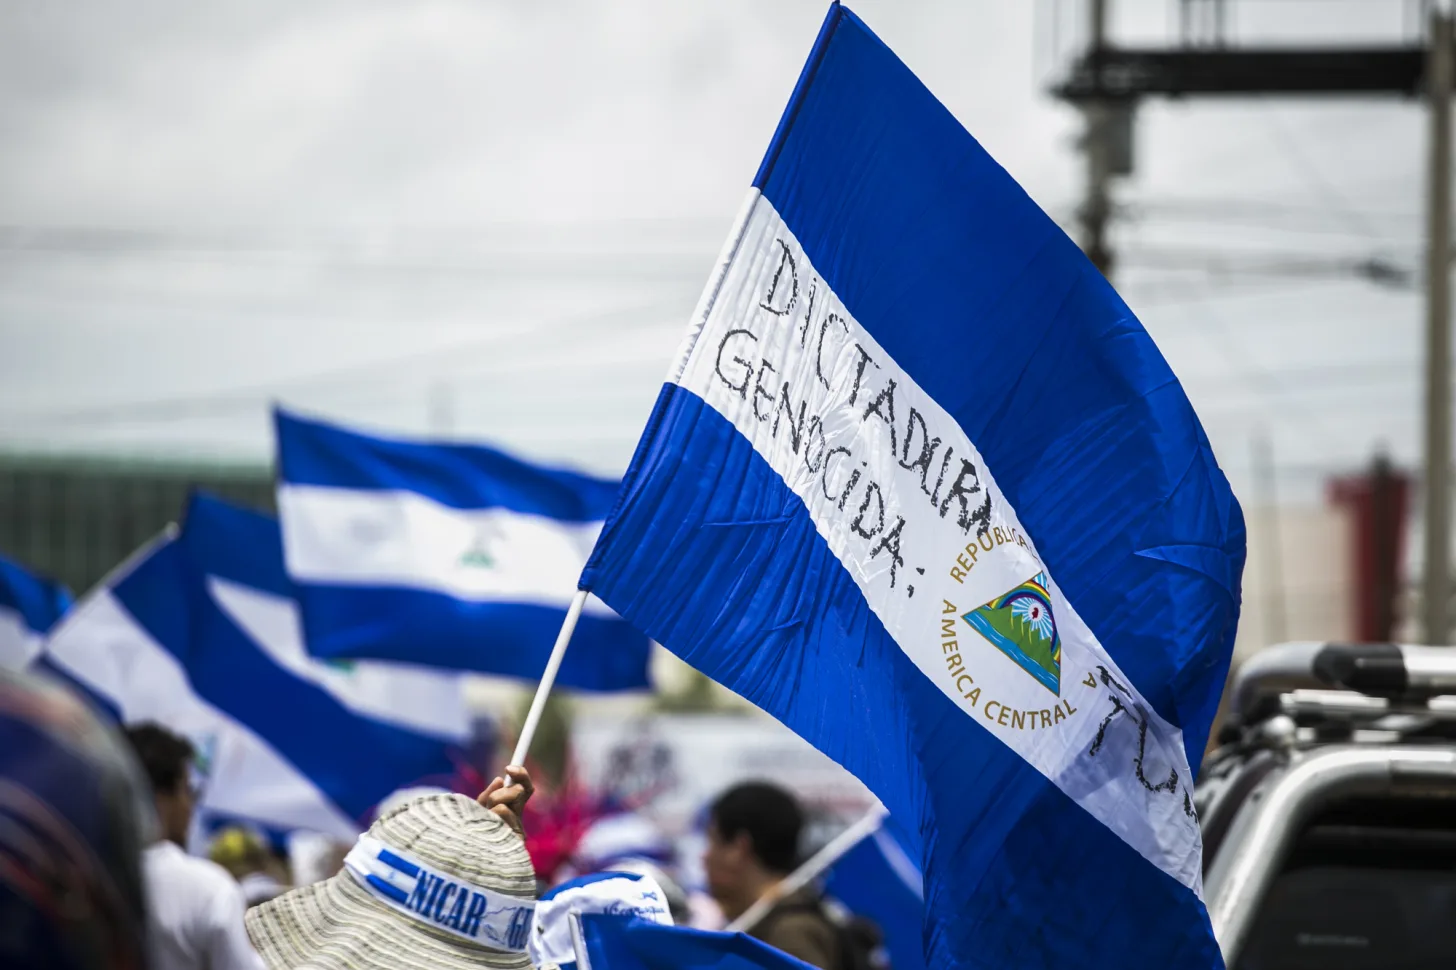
[222, 402]
[1330, 194]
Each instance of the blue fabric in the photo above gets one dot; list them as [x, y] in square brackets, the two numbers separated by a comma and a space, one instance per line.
[237, 544]
[730, 573]
[985, 302]
[456, 475]
[354, 760]
[868, 885]
[503, 639]
[434, 627]
[618, 943]
[39, 602]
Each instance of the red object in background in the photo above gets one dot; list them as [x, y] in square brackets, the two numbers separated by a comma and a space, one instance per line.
[555, 821]
[1378, 503]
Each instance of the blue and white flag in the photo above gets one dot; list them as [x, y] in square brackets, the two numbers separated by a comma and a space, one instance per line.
[922, 487]
[29, 607]
[621, 894]
[197, 633]
[631, 943]
[878, 880]
[450, 555]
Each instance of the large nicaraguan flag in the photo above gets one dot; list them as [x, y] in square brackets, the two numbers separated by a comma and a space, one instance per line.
[451, 555]
[922, 487]
[197, 633]
[29, 607]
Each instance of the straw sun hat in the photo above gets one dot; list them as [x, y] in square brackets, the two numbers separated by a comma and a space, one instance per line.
[438, 883]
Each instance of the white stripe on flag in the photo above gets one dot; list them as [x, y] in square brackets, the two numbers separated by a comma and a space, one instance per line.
[347, 537]
[101, 646]
[18, 642]
[415, 698]
[851, 434]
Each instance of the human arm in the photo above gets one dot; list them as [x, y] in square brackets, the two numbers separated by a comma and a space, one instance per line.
[507, 796]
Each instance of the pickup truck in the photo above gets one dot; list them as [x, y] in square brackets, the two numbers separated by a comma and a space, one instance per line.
[1329, 810]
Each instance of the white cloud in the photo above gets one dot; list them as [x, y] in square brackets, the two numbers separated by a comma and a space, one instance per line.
[324, 188]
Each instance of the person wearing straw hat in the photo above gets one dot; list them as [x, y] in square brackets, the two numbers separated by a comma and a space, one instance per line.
[440, 882]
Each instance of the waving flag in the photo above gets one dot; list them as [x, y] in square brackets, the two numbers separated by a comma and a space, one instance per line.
[450, 555]
[633, 943]
[921, 486]
[195, 633]
[29, 606]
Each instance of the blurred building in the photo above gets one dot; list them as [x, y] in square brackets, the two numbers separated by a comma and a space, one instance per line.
[74, 519]
[1332, 571]
[1297, 579]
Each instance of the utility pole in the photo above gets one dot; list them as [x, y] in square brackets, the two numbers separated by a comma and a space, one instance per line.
[1436, 595]
[1096, 209]
[1271, 559]
[1387, 513]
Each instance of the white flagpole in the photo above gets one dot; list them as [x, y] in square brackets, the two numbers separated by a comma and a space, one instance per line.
[543, 690]
[578, 942]
[811, 869]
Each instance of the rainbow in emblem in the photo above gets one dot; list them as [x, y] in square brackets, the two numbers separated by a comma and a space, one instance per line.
[1020, 624]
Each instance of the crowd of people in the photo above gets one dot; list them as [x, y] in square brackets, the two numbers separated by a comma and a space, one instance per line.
[94, 873]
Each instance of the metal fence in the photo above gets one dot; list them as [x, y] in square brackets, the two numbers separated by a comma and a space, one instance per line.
[75, 519]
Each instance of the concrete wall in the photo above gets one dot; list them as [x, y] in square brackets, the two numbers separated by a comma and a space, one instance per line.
[1313, 548]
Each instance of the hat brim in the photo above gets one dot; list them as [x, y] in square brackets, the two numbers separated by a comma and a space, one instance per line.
[337, 925]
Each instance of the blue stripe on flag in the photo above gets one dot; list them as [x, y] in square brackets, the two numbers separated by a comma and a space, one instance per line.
[155, 593]
[237, 544]
[1109, 505]
[503, 639]
[455, 475]
[40, 602]
[1015, 867]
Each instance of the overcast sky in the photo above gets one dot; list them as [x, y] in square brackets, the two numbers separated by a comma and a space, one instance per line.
[491, 219]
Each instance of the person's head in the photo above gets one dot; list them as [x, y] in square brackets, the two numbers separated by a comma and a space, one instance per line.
[167, 760]
[440, 881]
[753, 841]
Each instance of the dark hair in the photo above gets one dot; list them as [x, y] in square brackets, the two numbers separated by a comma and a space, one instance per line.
[771, 817]
[164, 756]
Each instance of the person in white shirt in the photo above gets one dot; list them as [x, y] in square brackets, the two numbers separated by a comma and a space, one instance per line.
[195, 913]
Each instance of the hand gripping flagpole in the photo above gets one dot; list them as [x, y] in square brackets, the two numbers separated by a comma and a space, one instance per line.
[543, 689]
[812, 868]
